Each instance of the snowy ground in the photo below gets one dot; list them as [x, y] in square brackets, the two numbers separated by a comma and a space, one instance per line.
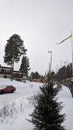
[16, 107]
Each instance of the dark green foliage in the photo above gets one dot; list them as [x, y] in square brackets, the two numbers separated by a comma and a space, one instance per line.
[35, 75]
[24, 68]
[46, 114]
[14, 49]
[64, 72]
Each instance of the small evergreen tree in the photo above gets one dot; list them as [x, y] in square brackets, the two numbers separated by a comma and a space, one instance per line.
[24, 67]
[46, 114]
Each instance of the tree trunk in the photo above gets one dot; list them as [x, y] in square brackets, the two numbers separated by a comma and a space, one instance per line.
[12, 69]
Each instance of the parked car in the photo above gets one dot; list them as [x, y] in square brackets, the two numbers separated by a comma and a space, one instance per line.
[7, 89]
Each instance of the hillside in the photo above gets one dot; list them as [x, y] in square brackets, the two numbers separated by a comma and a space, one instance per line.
[16, 107]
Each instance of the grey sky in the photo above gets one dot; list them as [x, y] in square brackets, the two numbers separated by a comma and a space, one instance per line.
[41, 24]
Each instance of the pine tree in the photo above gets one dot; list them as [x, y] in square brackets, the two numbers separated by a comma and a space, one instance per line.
[46, 114]
[13, 50]
[24, 67]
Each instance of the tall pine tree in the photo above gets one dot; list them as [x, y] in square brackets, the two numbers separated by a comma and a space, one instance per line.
[24, 67]
[46, 114]
[13, 50]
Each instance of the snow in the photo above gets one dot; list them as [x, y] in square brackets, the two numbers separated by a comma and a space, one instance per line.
[15, 108]
[65, 97]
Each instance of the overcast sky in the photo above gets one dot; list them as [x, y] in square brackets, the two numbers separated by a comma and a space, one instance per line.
[41, 24]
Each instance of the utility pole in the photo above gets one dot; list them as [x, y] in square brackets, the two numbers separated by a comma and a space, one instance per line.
[50, 64]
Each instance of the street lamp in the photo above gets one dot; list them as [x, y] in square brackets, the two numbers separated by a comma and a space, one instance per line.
[50, 64]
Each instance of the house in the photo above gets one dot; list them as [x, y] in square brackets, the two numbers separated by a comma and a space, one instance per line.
[5, 72]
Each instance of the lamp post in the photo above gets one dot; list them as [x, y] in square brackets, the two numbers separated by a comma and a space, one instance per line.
[50, 64]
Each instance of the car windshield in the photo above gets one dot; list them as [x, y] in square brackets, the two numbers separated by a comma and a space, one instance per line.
[9, 86]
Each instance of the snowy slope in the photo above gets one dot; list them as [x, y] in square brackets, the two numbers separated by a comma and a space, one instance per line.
[65, 97]
[16, 107]
[13, 106]
[22, 89]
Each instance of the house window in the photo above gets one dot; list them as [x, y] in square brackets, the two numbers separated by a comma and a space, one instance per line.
[4, 70]
[0, 70]
[8, 71]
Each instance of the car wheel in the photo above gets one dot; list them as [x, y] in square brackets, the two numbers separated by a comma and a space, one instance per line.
[1, 92]
[12, 91]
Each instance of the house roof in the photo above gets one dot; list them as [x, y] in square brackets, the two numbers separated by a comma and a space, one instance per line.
[9, 68]
[5, 67]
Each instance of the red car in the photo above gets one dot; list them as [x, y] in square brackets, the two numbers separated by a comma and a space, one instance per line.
[7, 89]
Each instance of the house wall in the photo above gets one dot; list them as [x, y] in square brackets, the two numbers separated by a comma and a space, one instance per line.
[5, 72]
[4, 76]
